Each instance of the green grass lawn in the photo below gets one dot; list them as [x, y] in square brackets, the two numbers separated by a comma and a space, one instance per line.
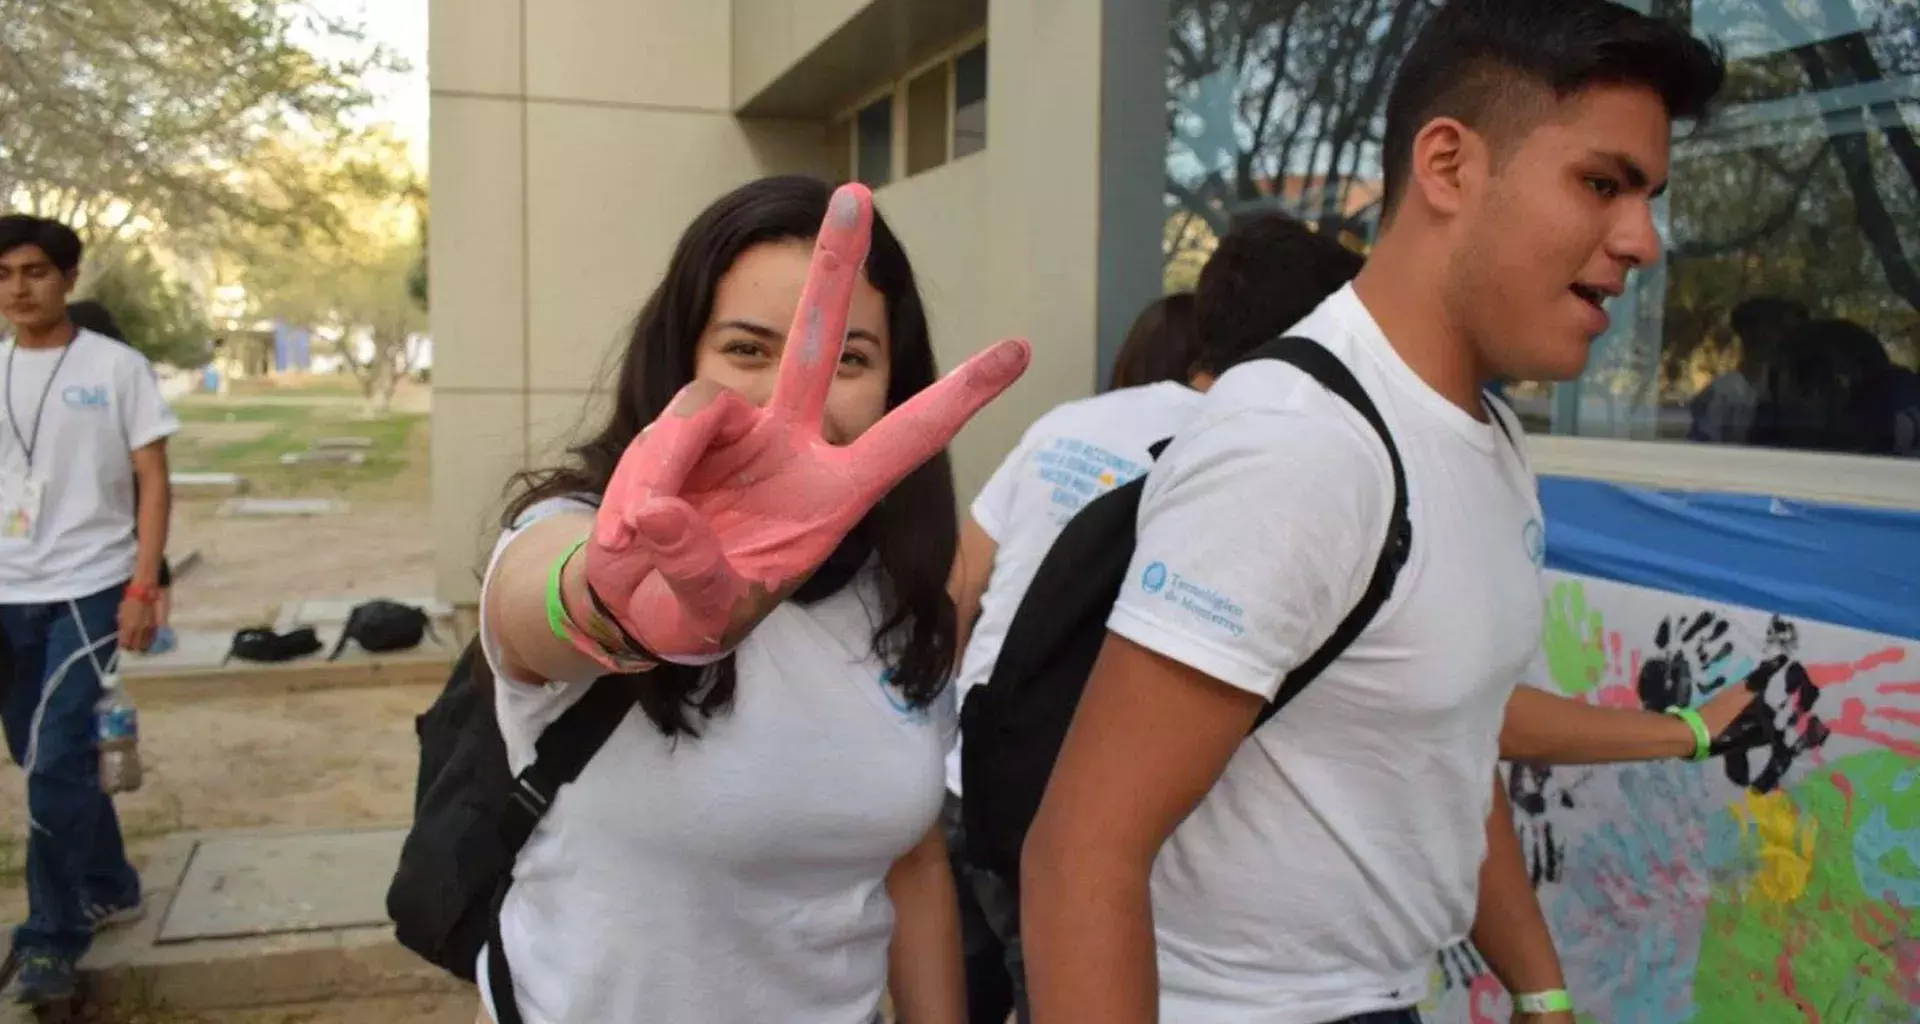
[248, 437]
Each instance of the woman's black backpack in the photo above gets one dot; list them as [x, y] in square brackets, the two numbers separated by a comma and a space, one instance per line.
[1014, 724]
[471, 815]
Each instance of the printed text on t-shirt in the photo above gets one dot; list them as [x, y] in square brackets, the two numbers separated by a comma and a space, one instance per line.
[1081, 472]
[1203, 603]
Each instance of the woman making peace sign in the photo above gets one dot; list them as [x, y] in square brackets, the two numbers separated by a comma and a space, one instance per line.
[759, 541]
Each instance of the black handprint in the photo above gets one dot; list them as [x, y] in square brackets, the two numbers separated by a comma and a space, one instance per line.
[1777, 728]
[1691, 662]
[1460, 963]
[1532, 791]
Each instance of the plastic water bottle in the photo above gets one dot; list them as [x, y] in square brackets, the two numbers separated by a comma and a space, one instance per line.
[117, 725]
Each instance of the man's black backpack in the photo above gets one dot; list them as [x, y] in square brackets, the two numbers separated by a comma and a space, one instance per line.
[471, 815]
[1014, 724]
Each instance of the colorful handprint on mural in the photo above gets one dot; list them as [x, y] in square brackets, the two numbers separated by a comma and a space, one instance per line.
[1781, 886]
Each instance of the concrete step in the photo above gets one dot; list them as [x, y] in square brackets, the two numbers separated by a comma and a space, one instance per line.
[207, 485]
[253, 919]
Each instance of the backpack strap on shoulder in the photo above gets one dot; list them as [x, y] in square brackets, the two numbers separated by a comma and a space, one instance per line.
[1499, 419]
[1314, 360]
[559, 756]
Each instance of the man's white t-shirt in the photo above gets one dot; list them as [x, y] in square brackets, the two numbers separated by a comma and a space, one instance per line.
[83, 410]
[1340, 850]
[1070, 456]
[735, 876]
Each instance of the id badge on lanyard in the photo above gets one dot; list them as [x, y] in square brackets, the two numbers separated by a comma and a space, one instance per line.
[22, 490]
[20, 499]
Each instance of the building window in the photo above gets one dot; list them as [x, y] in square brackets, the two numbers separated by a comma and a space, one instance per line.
[1786, 312]
[942, 117]
[873, 142]
[970, 102]
[927, 120]
[840, 150]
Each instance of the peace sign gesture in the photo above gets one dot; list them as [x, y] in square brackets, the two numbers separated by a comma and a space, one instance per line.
[720, 509]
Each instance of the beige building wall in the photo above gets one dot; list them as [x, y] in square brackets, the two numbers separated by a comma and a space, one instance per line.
[570, 148]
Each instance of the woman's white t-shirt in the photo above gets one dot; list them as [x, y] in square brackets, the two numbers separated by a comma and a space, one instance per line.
[737, 876]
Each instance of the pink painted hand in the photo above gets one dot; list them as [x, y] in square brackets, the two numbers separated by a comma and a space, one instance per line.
[719, 509]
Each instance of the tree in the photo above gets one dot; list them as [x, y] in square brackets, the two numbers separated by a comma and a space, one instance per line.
[160, 315]
[122, 115]
[351, 272]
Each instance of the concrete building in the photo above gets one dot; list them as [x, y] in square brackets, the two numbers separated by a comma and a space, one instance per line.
[1052, 165]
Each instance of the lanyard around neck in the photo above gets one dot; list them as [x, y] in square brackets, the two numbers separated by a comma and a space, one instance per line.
[28, 441]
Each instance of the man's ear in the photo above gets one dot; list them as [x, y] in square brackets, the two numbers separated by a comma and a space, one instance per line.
[1446, 157]
[69, 279]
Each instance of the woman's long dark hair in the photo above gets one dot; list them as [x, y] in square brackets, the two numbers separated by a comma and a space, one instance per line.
[913, 528]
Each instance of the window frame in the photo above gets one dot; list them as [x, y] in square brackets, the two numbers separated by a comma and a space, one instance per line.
[896, 88]
[1878, 481]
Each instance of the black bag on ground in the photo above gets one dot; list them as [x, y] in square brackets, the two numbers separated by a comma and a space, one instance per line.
[471, 815]
[1014, 724]
[381, 627]
[264, 645]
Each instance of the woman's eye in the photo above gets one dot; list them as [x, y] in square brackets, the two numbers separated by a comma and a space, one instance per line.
[745, 349]
[851, 358]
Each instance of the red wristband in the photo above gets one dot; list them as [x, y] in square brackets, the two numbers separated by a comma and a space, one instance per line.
[143, 594]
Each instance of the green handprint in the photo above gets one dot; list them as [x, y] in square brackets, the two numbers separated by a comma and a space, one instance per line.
[1574, 640]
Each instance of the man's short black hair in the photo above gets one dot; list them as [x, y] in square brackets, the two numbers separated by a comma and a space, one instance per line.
[55, 239]
[1266, 275]
[1486, 64]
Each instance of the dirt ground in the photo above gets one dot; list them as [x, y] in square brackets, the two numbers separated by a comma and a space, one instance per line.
[319, 759]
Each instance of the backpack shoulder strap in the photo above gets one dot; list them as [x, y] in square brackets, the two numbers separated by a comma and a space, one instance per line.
[1499, 418]
[561, 754]
[1314, 360]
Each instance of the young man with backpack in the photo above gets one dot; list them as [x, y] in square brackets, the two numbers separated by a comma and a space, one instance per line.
[79, 575]
[1016, 580]
[1265, 275]
[1182, 869]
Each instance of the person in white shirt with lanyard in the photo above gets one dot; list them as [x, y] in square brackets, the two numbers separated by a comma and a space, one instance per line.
[1182, 870]
[757, 545]
[79, 575]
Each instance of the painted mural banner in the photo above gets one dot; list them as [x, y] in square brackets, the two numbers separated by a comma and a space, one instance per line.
[1778, 885]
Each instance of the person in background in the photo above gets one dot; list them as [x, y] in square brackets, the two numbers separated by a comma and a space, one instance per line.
[1831, 388]
[1723, 412]
[79, 577]
[1161, 345]
[88, 315]
[1186, 867]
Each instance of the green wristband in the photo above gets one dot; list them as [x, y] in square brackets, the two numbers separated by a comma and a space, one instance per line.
[557, 618]
[1702, 739]
[1554, 1000]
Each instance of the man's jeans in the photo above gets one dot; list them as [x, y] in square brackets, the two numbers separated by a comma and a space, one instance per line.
[75, 855]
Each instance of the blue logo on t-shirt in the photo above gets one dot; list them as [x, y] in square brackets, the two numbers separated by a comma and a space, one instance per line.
[80, 397]
[1155, 578]
[1534, 536]
[898, 700]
